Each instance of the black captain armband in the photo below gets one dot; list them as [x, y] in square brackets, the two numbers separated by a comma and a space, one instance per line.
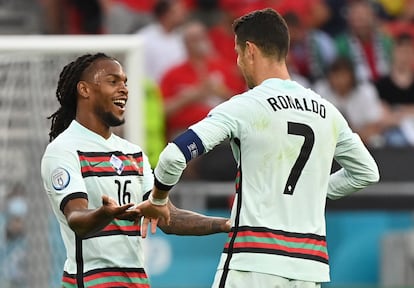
[189, 144]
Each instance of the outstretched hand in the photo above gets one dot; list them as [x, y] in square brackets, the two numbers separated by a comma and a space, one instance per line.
[152, 214]
[123, 212]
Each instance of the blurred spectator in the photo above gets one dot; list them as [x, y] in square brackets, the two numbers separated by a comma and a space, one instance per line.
[72, 16]
[222, 36]
[314, 13]
[404, 21]
[53, 20]
[294, 75]
[336, 23]
[363, 43]
[164, 45]
[126, 16]
[193, 87]
[358, 101]
[206, 11]
[85, 17]
[397, 92]
[13, 253]
[311, 50]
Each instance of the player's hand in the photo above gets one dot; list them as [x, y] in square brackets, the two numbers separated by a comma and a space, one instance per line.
[125, 212]
[131, 214]
[112, 209]
[152, 214]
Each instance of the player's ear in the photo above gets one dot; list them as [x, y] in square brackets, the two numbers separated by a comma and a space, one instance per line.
[83, 89]
[250, 50]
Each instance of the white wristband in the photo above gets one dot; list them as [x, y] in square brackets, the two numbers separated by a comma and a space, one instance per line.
[156, 201]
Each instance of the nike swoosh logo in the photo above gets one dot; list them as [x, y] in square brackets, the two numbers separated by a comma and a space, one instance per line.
[95, 163]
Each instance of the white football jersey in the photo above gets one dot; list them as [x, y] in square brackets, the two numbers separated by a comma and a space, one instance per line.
[81, 164]
[284, 138]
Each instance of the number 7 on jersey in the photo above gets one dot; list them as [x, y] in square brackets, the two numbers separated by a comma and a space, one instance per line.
[304, 130]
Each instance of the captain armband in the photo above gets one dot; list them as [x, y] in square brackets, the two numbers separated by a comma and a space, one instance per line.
[189, 144]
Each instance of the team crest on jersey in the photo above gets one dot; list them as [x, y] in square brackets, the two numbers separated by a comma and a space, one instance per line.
[60, 178]
[117, 163]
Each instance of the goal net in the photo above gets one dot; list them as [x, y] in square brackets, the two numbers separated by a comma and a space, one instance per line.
[31, 251]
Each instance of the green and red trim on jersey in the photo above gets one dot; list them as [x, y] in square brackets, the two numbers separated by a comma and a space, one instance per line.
[233, 234]
[237, 181]
[99, 164]
[119, 227]
[109, 277]
[262, 240]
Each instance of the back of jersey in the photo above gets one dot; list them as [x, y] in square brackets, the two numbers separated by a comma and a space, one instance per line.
[284, 138]
[287, 143]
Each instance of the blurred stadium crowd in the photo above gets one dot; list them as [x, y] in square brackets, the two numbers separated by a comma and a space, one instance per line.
[357, 53]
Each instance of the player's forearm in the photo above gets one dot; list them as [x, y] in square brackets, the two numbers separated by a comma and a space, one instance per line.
[88, 222]
[170, 166]
[354, 176]
[184, 222]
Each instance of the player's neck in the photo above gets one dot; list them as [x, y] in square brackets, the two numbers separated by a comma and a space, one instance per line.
[94, 124]
[272, 70]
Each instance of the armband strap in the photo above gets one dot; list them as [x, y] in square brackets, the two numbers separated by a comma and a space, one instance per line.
[157, 202]
[161, 186]
[189, 144]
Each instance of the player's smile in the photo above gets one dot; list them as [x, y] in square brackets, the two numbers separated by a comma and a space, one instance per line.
[120, 103]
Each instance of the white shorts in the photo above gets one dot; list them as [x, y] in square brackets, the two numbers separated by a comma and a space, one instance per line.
[245, 279]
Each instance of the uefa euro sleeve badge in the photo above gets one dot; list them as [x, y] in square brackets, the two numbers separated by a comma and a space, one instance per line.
[60, 178]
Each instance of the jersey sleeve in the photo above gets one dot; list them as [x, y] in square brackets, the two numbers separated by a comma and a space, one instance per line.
[220, 124]
[359, 168]
[62, 178]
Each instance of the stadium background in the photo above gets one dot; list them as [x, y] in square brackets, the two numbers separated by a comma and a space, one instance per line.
[370, 234]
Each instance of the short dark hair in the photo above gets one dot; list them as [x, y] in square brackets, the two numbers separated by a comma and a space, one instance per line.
[265, 28]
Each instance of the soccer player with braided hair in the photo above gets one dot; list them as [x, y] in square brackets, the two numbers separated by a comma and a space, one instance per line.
[93, 177]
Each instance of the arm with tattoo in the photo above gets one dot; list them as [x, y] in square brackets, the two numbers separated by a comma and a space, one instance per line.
[185, 222]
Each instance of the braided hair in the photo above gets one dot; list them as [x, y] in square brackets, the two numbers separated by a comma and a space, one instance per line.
[66, 92]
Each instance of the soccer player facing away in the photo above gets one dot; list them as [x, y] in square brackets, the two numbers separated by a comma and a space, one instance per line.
[92, 177]
[284, 138]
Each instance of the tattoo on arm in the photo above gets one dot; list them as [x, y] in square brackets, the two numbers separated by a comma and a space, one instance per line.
[185, 222]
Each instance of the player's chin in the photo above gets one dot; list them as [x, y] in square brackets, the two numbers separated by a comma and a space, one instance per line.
[119, 122]
[114, 119]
